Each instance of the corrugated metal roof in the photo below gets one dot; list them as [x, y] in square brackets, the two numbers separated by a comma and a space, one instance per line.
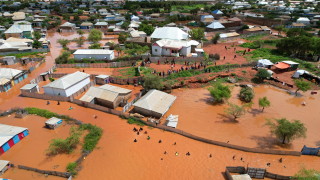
[53, 121]
[28, 86]
[169, 33]
[175, 43]
[93, 51]
[7, 132]
[156, 101]
[3, 164]
[86, 24]
[105, 92]
[68, 24]
[215, 25]
[101, 23]
[68, 80]
[9, 73]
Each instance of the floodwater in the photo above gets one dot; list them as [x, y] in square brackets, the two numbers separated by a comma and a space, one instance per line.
[199, 116]
[31, 151]
[118, 157]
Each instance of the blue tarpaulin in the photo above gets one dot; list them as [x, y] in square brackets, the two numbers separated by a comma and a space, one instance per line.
[310, 151]
[25, 133]
[16, 139]
[5, 147]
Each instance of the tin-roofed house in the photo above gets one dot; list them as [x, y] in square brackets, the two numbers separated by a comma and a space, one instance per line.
[68, 85]
[20, 29]
[29, 88]
[101, 25]
[67, 27]
[9, 77]
[94, 54]
[102, 79]
[154, 104]
[53, 123]
[11, 135]
[86, 25]
[107, 95]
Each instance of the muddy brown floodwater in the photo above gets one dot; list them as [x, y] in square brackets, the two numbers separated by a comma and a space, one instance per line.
[118, 157]
[199, 116]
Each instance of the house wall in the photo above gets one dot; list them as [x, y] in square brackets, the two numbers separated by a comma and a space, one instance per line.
[67, 92]
[185, 51]
[15, 35]
[94, 56]
[146, 112]
[156, 50]
[166, 52]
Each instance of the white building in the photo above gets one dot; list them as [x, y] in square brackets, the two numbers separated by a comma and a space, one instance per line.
[215, 25]
[303, 20]
[167, 47]
[169, 33]
[67, 85]
[94, 54]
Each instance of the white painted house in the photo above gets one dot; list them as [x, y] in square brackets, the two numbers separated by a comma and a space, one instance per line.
[169, 33]
[94, 54]
[167, 47]
[303, 20]
[67, 85]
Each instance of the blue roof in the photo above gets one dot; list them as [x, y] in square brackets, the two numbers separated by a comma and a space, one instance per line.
[217, 11]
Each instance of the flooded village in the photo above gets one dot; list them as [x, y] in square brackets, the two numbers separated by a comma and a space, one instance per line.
[159, 90]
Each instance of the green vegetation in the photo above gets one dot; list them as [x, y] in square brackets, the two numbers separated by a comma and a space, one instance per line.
[147, 28]
[286, 130]
[188, 73]
[58, 146]
[36, 35]
[152, 82]
[122, 37]
[215, 38]
[72, 168]
[197, 34]
[133, 120]
[264, 102]
[307, 174]
[92, 138]
[36, 44]
[134, 71]
[235, 111]
[80, 41]
[45, 113]
[246, 94]
[302, 85]
[255, 37]
[64, 43]
[135, 49]
[252, 45]
[95, 46]
[220, 92]
[63, 58]
[262, 74]
[95, 35]
[186, 8]
[20, 55]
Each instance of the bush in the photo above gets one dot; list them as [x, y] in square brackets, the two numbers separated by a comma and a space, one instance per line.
[71, 168]
[152, 82]
[51, 79]
[220, 92]
[133, 120]
[246, 94]
[92, 138]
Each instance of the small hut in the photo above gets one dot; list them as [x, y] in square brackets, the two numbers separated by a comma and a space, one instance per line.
[53, 123]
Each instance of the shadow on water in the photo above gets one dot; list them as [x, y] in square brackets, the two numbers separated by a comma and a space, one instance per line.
[226, 119]
[269, 142]
[255, 112]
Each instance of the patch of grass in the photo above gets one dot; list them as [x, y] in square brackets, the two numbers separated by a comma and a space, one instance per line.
[186, 8]
[133, 120]
[92, 138]
[188, 73]
[45, 113]
[72, 168]
[60, 146]
[20, 55]
[251, 45]
[134, 71]
[256, 37]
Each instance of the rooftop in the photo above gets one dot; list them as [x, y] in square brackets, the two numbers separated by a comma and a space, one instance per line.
[68, 80]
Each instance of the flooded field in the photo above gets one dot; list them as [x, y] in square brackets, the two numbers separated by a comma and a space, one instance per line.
[199, 116]
[31, 151]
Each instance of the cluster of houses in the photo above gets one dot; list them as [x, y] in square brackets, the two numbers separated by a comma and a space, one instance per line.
[9, 77]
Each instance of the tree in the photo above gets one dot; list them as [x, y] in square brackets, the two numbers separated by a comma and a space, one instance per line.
[220, 92]
[36, 44]
[36, 35]
[64, 43]
[63, 58]
[216, 38]
[280, 29]
[197, 34]
[246, 94]
[95, 35]
[307, 174]
[264, 102]
[235, 111]
[286, 130]
[152, 82]
[293, 32]
[148, 29]
[79, 41]
[262, 74]
[122, 38]
[80, 32]
[302, 85]
[95, 46]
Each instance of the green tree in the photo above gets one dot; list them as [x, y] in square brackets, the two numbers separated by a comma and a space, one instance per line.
[80, 32]
[36, 44]
[287, 131]
[36, 35]
[307, 174]
[152, 82]
[264, 102]
[148, 29]
[220, 92]
[63, 58]
[79, 41]
[262, 74]
[122, 37]
[197, 34]
[246, 94]
[95, 35]
[302, 85]
[280, 29]
[293, 32]
[64, 43]
[216, 38]
[235, 111]
[95, 46]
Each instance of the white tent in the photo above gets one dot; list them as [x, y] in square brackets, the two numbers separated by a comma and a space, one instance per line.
[172, 120]
[215, 25]
[264, 63]
[299, 73]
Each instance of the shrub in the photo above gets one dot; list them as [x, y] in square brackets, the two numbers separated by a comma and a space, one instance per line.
[246, 94]
[71, 168]
[133, 120]
[51, 79]
[92, 138]
[220, 92]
